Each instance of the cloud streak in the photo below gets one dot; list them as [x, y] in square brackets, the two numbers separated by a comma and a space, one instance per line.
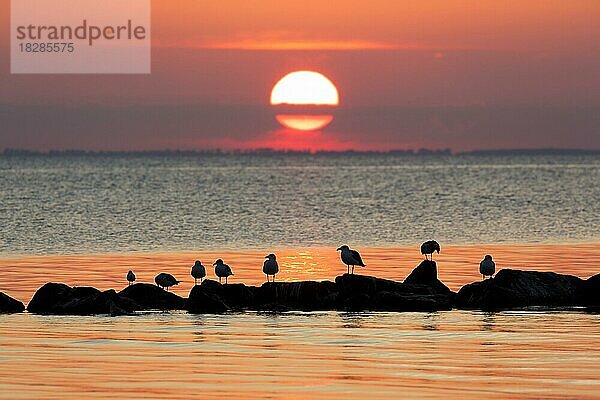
[298, 45]
[285, 41]
[199, 127]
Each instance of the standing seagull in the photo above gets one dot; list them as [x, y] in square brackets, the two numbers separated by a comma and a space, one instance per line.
[350, 258]
[270, 267]
[222, 270]
[487, 267]
[165, 280]
[198, 272]
[130, 277]
[429, 247]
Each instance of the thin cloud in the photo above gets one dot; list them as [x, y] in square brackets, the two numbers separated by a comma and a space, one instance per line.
[330, 45]
[287, 45]
[284, 41]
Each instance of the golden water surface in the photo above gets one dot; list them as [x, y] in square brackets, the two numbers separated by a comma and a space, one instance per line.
[461, 354]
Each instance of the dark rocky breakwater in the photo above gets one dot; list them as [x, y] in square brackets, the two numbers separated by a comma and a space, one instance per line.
[420, 291]
[10, 305]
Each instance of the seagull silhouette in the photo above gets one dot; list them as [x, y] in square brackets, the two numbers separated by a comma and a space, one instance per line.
[350, 257]
[270, 267]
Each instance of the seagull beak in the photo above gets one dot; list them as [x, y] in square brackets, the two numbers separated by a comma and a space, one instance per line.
[338, 249]
[266, 256]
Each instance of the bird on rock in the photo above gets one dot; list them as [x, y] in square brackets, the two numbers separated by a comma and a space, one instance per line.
[222, 270]
[130, 277]
[165, 280]
[487, 267]
[429, 247]
[270, 267]
[198, 272]
[350, 257]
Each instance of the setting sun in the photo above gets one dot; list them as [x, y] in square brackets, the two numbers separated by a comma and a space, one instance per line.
[304, 88]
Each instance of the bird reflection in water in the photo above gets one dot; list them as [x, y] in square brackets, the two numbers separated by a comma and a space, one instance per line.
[430, 321]
[198, 333]
[488, 321]
[352, 320]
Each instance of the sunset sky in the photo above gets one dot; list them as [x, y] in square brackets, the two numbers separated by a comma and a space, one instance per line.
[464, 75]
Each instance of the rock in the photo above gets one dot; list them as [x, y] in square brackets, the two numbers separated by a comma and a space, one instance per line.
[394, 301]
[213, 297]
[10, 305]
[107, 302]
[58, 298]
[369, 293]
[305, 296]
[589, 292]
[238, 295]
[426, 274]
[151, 297]
[518, 289]
[356, 302]
[350, 284]
[207, 299]
[212, 285]
[49, 297]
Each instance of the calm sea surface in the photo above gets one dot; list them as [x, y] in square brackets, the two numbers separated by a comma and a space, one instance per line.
[65, 205]
[87, 220]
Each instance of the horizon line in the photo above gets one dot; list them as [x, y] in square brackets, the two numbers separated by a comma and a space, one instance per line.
[267, 151]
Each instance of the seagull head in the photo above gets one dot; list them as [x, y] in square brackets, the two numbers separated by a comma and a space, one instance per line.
[342, 248]
[488, 257]
[197, 263]
[270, 256]
[218, 262]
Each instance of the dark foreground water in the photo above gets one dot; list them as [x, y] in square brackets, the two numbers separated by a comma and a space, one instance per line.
[84, 204]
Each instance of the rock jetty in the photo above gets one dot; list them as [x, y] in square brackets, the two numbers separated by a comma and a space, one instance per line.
[420, 291]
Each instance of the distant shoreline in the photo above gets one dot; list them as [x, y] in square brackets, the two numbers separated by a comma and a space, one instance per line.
[220, 152]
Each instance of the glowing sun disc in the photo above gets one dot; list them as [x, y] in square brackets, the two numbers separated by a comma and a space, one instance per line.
[305, 87]
[298, 92]
[304, 122]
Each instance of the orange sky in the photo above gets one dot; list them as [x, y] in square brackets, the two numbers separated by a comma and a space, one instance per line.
[514, 25]
[426, 73]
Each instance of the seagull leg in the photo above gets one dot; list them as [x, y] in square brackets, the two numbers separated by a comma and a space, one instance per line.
[348, 269]
[353, 270]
